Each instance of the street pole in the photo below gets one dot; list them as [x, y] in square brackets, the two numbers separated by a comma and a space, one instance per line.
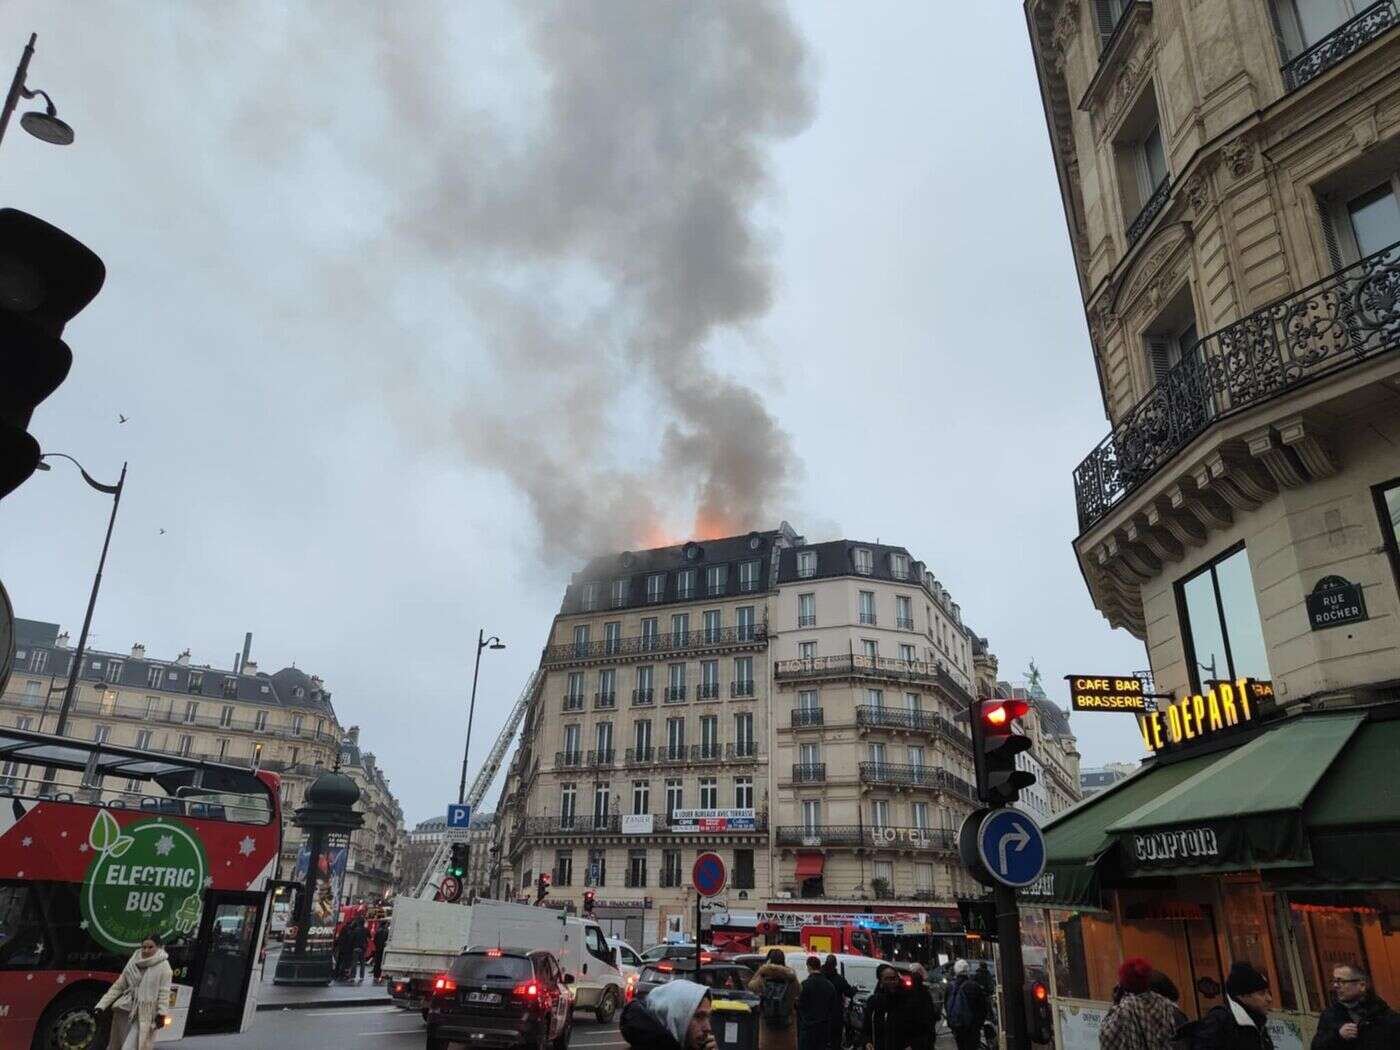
[116, 491]
[17, 85]
[1013, 971]
[471, 712]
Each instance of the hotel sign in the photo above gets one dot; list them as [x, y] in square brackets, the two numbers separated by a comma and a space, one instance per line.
[1334, 602]
[1107, 693]
[1225, 706]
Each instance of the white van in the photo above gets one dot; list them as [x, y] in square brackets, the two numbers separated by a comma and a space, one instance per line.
[426, 936]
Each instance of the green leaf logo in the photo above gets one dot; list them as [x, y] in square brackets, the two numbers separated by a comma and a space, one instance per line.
[122, 844]
[104, 832]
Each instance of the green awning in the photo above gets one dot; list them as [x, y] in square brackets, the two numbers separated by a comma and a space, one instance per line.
[1241, 811]
[1077, 838]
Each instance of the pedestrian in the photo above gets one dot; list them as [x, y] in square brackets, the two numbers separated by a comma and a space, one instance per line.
[818, 1008]
[1166, 988]
[340, 953]
[381, 938]
[359, 947]
[675, 1016]
[935, 994]
[776, 986]
[1359, 1019]
[923, 1017]
[1140, 1019]
[138, 999]
[1239, 1022]
[967, 1007]
[889, 1023]
[845, 992]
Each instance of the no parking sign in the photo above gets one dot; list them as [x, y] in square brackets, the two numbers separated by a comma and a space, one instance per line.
[708, 875]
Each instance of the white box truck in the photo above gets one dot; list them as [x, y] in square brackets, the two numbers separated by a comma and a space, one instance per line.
[427, 935]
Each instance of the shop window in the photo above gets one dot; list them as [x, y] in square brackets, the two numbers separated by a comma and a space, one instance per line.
[1086, 955]
[1388, 508]
[1250, 936]
[1220, 621]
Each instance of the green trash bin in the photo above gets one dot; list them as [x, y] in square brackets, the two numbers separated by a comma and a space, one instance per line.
[735, 1025]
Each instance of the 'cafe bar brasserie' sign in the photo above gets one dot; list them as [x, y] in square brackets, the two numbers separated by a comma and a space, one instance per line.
[1193, 718]
[1106, 693]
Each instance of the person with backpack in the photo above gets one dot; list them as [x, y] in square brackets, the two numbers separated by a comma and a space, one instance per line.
[966, 1007]
[776, 986]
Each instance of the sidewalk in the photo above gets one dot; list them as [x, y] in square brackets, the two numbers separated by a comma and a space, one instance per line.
[300, 997]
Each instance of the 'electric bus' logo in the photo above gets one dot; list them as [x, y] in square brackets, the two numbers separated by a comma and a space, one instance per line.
[146, 879]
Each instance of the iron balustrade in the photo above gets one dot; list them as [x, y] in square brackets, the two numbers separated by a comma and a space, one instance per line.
[869, 619]
[1150, 210]
[741, 688]
[638, 756]
[809, 773]
[706, 753]
[573, 703]
[675, 694]
[904, 623]
[806, 716]
[707, 691]
[663, 642]
[807, 621]
[914, 776]
[1340, 44]
[870, 836]
[641, 697]
[604, 699]
[568, 758]
[900, 718]
[925, 672]
[1340, 321]
[601, 758]
[826, 835]
[171, 716]
[743, 749]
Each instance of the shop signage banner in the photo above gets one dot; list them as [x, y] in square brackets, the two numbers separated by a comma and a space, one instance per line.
[1225, 706]
[899, 921]
[638, 823]
[1241, 844]
[1106, 693]
[1335, 602]
[712, 820]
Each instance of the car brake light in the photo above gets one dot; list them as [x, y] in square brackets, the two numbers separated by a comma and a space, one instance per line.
[1039, 992]
[444, 985]
[908, 982]
[665, 967]
[631, 978]
[527, 990]
[706, 957]
[493, 953]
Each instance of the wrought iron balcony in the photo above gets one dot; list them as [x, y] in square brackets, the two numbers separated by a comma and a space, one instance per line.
[869, 836]
[642, 697]
[806, 716]
[573, 703]
[809, 773]
[639, 756]
[1342, 320]
[663, 642]
[926, 672]
[568, 758]
[919, 721]
[807, 621]
[904, 623]
[675, 694]
[601, 758]
[825, 835]
[707, 691]
[706, 752]
[741, 688]
[605, 699]
[1150, 210]
[869, 619]
[673, 753]
[571, 824]
[743, 749]
[1340, 44]
[914, 776]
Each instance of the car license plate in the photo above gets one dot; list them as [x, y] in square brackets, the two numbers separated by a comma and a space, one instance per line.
[489, 998]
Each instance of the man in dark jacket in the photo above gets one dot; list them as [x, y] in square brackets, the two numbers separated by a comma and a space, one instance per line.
[359, 942]
[1359, 1019]
[1239, 1023]
[818, 1007]
[675, 1016]
[891, 1021]
[845, 992]
[381, 939]
[966, 1007]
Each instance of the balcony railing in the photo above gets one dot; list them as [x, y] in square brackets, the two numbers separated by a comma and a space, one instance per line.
[675, 694]
[928, 672]
[707, 691]
[1340, 44]
[176, 717]
[573, 703]
[743, 749]
[869, 619]
[809, 773]
[605, 699]
[807, 621]
[914, 776]
[869, 836]
[640, 756]
[1150, 210]
[601, 758]
[919, 721]
[806, 716]
[664, 642]
[904, 623]
[592, 824]
[744, 688]
[643, 697]
[1344, 319]
[568, 758]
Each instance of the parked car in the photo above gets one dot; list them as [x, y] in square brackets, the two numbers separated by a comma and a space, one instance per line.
[501, 997]
[727, 980]
[657, 952]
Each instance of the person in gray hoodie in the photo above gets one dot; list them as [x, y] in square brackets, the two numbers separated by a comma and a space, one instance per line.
[675, 1016]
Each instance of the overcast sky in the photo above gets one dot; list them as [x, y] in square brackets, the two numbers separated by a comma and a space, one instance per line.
[409, 312]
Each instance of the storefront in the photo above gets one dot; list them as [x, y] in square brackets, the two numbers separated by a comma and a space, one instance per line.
[1277, 842]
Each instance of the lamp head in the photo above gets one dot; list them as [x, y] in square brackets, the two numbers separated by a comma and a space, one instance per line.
[41, 465]
[46, 126]
[498, 644]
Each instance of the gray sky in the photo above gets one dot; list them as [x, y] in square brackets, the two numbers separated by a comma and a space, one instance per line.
[410, 312]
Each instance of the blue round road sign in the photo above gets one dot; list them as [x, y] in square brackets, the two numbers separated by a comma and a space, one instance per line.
[1012, 847]
[708, 874]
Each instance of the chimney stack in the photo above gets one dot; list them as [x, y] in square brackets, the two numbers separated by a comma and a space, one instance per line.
[183, 659]
[61, 642]
[249, 667]
[138, 651]
[352, 735]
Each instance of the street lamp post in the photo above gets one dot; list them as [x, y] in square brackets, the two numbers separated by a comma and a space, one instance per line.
[115, 491]
[44, 126]
[482, 642]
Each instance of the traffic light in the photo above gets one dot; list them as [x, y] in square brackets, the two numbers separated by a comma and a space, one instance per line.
[46, 277]
[994, 750]
[542, 887]
[1040, 1025]
[588, 898]
[458, 864]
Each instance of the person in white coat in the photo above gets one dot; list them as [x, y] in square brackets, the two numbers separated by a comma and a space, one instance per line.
[139, 998]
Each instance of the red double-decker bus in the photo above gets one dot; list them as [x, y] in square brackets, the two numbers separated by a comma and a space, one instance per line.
[100, 847]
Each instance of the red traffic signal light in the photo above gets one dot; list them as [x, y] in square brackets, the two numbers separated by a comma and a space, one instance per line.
[994, 750]
[588, 898]
[547, 878]
[46, 277]
[1040, 1024]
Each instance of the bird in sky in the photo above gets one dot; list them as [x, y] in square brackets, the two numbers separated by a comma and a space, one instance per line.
[120, 419]
[162, 532]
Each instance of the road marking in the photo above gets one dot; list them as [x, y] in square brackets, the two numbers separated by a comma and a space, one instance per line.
[346, 1011]
[393, 1031]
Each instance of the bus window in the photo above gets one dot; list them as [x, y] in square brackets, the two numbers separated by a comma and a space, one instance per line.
[22, 941]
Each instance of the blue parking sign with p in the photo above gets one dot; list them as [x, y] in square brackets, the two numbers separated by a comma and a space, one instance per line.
[459, 816]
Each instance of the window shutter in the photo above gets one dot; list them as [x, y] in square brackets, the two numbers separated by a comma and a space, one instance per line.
[1103, 16]
[1329, 234]
[1158, 358]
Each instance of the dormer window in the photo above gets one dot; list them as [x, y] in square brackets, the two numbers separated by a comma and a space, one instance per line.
[863, 560]
[806, 564]
[748, 576]
[196, 681]
[230, 687]
[899, 566]
[153, 677]
[590, 596]
[656, 587]
[619, 593]
[716, 577]
[114, 671]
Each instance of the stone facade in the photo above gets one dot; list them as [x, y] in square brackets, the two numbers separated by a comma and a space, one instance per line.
[1229, 173]
[371, 870]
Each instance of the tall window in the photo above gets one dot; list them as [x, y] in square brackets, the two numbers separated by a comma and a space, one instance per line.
[226, 715]
[1220, 620]
[877, 754]
[1151, 162]
[590, 596]
[619, 593]
[911, 702]
[187, 742]
[607, 687]
[637, 867]
[572, 744]
[709, 793]
[743, 676]
[806, 610]
[807, 700]
[152, 676]
[883, 876]
[923, 880]
[581, 640]
[743, 623]
[114, 671]
[748, 576]
[711, 622]
[598, 867]
[867, 607]
[675, 737]
[1106, 16]
[604, 740]
[650, 634]
[906, 653]
[197, 682]
[743, 734]
[641, 737]
[806, 650]
[676, 690]
[904, 612]
[644, 684]
[709, 679]
[680, 629]
[715, 579]
[870, 648]
[143, 740]
[563, 867]
[1372, 220]
[656, 587]
[899, 565]
[879, 813]
[641, 796]
[612, 637]
[100, 733]
[743, 792]
[875, 697]
[568, 805]
[709, 737]
[1305, 22]
[809, 755]
[1388, 507]
[916, 756]
[811, 815]
[297, 721]
[191, 711]
[670, 867]
[685, 583]
[600, 805]
[863, 561]
[675, 796]
[743, 869]
[806, 564]
[919, 812]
